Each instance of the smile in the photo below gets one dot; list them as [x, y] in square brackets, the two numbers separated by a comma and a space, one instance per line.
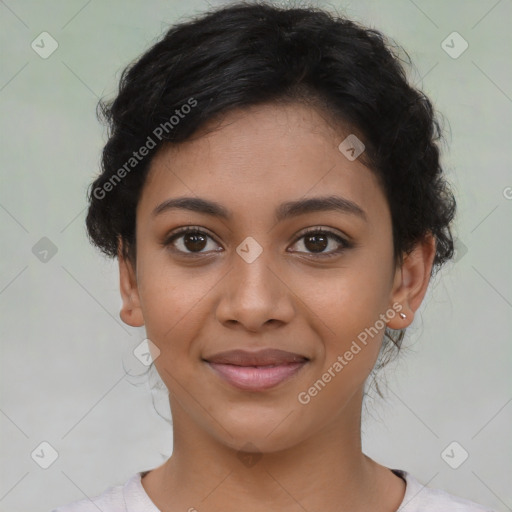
[256, 378]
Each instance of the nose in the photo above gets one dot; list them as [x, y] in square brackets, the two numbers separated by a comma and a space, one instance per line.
[254, 296]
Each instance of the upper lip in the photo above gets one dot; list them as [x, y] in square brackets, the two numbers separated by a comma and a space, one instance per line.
[265, 357]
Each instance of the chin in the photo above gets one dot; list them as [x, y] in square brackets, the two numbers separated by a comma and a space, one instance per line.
[258, 433]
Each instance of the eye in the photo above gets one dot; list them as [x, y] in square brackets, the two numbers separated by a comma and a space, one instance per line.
[318, 239]
[190, 240]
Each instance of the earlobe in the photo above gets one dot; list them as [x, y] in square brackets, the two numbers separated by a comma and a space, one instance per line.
[131, 312]
[411, 281]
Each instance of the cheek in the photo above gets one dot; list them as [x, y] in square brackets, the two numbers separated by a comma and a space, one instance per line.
[348, 305]
[171, 300]
[351, 333]
[347, 300]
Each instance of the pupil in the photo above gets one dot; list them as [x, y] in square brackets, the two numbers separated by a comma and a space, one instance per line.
[196, 241]
[318, 247]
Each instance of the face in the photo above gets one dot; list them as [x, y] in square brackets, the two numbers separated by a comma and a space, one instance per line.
[265, 275]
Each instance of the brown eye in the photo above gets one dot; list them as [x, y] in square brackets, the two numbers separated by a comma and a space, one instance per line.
[189, 241]
[316, 241]
[194, 241]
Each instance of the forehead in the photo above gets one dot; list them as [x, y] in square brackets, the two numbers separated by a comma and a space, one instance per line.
[261, 156]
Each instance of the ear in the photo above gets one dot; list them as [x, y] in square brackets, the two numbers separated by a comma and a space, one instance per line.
[131, 312]
[411, 281]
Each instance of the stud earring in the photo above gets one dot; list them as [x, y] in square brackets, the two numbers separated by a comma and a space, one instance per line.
[403, 316]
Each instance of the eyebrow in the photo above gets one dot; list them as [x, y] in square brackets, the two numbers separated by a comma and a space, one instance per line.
[284, 211]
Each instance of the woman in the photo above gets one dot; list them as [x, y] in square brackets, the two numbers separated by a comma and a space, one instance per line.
[273, 192]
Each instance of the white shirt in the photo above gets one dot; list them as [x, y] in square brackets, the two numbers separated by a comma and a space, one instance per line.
[132, 497]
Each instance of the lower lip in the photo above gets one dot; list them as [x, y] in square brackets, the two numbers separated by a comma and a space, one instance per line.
[252, 378]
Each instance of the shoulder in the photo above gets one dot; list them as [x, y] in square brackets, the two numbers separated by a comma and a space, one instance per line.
[111, 499]
[419, 498]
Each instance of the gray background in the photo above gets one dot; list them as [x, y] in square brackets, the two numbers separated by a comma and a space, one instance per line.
[64, 348]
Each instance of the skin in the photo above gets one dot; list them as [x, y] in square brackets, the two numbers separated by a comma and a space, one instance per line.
[288, 298]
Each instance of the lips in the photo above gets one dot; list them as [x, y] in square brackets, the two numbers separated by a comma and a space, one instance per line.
[267, 357]
[256, 371]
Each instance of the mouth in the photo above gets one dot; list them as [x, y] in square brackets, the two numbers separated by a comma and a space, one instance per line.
[256, 371]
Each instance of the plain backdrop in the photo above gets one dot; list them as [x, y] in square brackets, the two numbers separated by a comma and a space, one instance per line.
[64, 350]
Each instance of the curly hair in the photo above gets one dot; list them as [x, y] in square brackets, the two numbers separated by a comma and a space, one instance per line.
[247, 54]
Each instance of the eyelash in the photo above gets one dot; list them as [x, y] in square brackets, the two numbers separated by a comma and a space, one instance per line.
[317, 231]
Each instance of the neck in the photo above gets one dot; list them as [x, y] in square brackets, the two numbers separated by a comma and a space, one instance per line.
[326, 471]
